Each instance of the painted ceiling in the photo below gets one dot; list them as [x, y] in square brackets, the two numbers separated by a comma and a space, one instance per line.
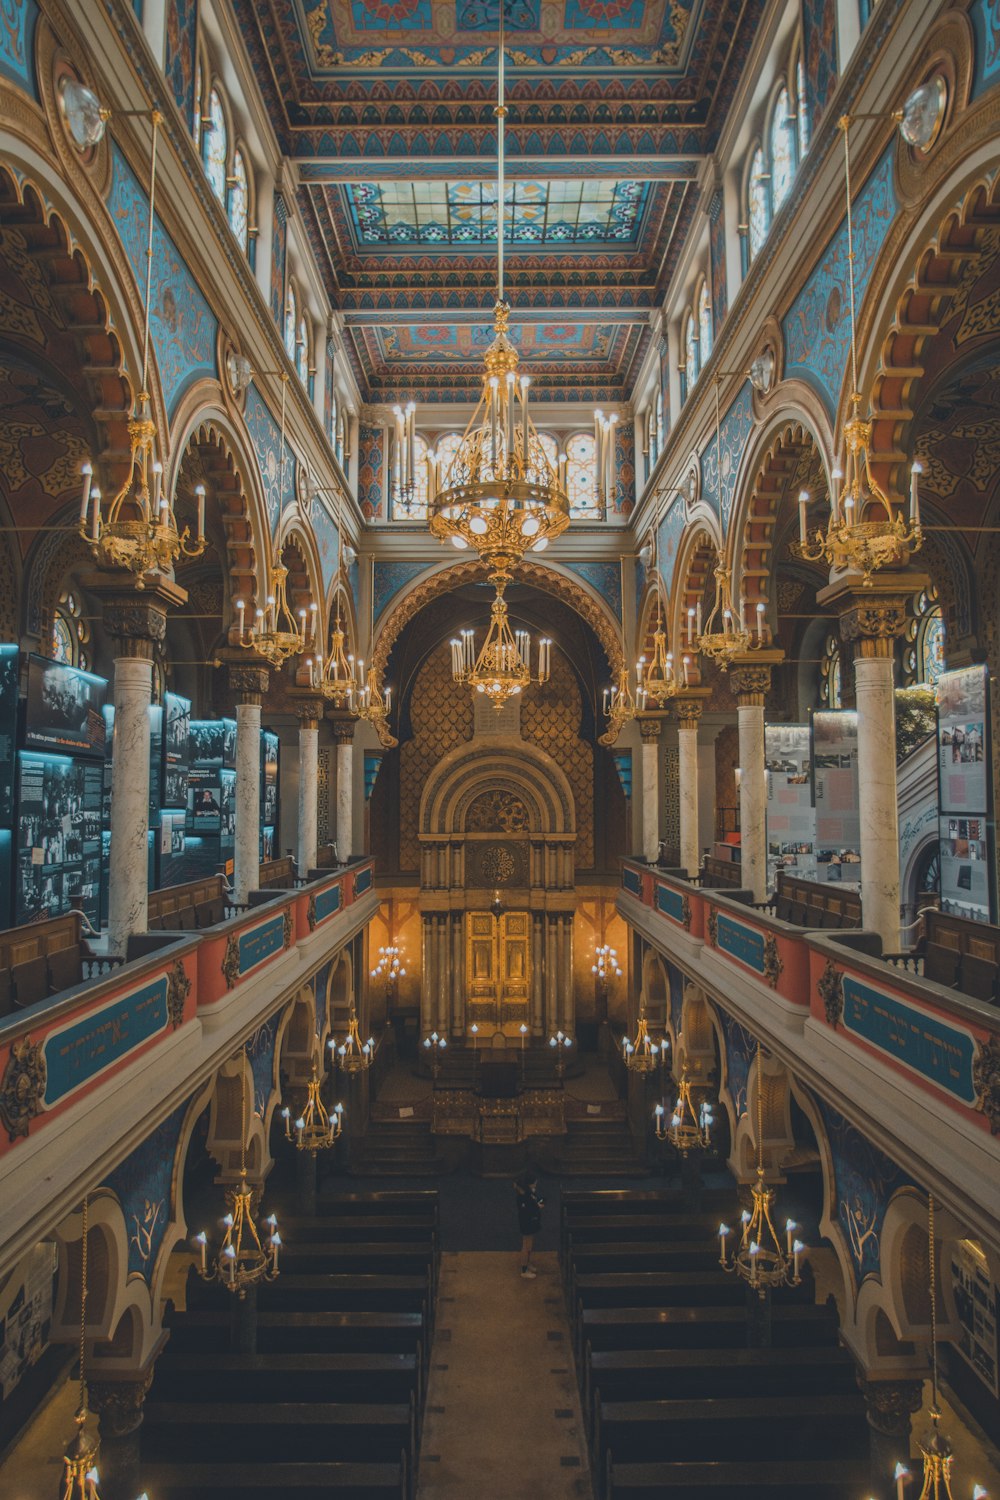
[387, 109]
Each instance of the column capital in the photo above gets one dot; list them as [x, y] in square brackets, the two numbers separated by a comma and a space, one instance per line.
[248, 680]
[650, 727]
[136, 619]
[118, 1401]
[343, 729]
[873, 616]
[891, 1403]
[309, 711]
[750, 685]
[689, 705]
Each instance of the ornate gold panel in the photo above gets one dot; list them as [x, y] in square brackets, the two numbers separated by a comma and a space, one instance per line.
[498, 968]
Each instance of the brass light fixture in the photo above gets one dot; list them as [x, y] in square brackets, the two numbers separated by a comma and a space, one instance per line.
[352, 1054]
[725, 636]
[760, 1259]
[641, 1055]
[242, 1261]
[138, 531]
[501, 497]
[389, 967]
[935, 1447]
[80, 1476]
[560, 1043]
[656, 680]
[334, 678]
[502, 668]
[689, 1128]
[864, 532]
[619, 707]
[316, 1129]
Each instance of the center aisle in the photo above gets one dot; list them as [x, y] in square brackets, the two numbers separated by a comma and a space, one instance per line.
[503, 1419]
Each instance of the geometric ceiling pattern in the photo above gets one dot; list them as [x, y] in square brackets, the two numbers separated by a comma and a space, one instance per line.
[386, 109]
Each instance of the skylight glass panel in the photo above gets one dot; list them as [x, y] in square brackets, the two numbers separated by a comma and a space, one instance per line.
[465, 213]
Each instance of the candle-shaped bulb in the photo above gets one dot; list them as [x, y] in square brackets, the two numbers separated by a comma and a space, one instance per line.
[86, 472]
[803, 524]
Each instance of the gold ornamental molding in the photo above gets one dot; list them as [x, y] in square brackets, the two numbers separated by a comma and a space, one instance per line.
[178, 989]
[830, 988]
[22, 1087]
[986, 1081]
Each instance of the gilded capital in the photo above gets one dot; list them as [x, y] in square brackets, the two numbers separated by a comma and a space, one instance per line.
[309, 711]
[750, 685]
[689, 711]
[343, 730]
[248, 681]
[873, 624]
[650, 729]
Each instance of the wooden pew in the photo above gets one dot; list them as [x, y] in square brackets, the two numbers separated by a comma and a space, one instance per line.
[699, 1229]
[651, 1289]
[350, 1332]
[195, 903]
[374, 1378]
[835, 1479]
[241, 1481]
[963, 955]
[702, 1327]
[404, 1258]
[342, 1293]
[223, 1432]
[392, 1201]
[352, 1228]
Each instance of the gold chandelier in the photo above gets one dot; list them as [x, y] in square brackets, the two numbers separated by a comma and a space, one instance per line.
[501, 497]
[935, 1447]
[502, 668]
[864, 532]
[725, 635]
[242, 1260]
[138, 531]
[334, 678]
[689, 1127]
[656, 680]
[275, 633]
[760, 1259]
[619, 707]
[80, 1476]
[352, 1054]
[316, 1128]
[641, 1055]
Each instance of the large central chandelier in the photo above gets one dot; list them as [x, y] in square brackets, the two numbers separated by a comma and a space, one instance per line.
[760, 1259]
[502, 669]
[864, 531]
[501, 497]
[138, 531]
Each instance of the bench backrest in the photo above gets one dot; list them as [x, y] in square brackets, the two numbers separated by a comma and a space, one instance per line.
[815, 903]
[277, 874]
[165, 904]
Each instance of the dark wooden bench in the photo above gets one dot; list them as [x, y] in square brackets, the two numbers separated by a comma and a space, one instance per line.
[42, 959]
[962, 955]
[385, 1259]
[816, 903]
[277, 874]
[186, 907]
[373, 1378]
[626, 1256]
[702, 1327]
[355, 1228]
[391, 1201]
[718, 873]
[656, 1374]
[730, 1428]
[275, 1481]
[341, 1293]
[349, 1332]
[224, 1432]
[748, 1480]
[687, 1289]
[700, 1229]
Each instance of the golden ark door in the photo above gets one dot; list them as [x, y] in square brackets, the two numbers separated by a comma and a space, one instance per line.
[498, 970]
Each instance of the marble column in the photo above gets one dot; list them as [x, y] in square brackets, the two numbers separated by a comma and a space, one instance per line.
[889, 1406]
[310, 711]
[871, 619]
[650, 728]
[118, 1403]
[427, 977]
[249, 684]
[137, 624]
[750, 683]
[343, 733]
[688, 715]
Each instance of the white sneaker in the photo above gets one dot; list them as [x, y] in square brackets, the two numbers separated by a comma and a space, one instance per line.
[529, 1273]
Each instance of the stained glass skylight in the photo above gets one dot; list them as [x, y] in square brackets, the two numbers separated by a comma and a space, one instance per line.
[465, 213]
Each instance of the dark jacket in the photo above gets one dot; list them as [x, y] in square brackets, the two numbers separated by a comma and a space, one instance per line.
[529, 1208]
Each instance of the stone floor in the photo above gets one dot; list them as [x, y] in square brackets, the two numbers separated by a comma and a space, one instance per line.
[503, 1419]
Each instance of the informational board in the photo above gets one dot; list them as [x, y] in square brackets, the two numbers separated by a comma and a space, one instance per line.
[65, 710]
[9, 665]
[791, 817]
[835, 796]
[176, 750]
[26, 1315]
[58, 836]
[269, 752]
[965, 794]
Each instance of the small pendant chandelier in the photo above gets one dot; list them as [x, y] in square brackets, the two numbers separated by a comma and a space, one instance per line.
[619, 707]
[760, 1259]
[864, 531]
[502, 668]
[725, 636]
[80, 1476]
[138, 531]
[315, 1129]
[688, 1128]
[242, 1260]
[656, 680]
[352, 1054]
[641, 1055]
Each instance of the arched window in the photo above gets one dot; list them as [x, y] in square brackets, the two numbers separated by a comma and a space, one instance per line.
[215, 149]
[581, 475]
[239, 201]
[691, 364]
[704, 323]
[291, 323]
[758, 208]
[411, 505]
[830, 691]
[658, 433]
[803, 107]
[782, 150]
[924, 655]
[550, 448]
[445, 449]
[70, 632]
[302, 349]
[338, 446]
